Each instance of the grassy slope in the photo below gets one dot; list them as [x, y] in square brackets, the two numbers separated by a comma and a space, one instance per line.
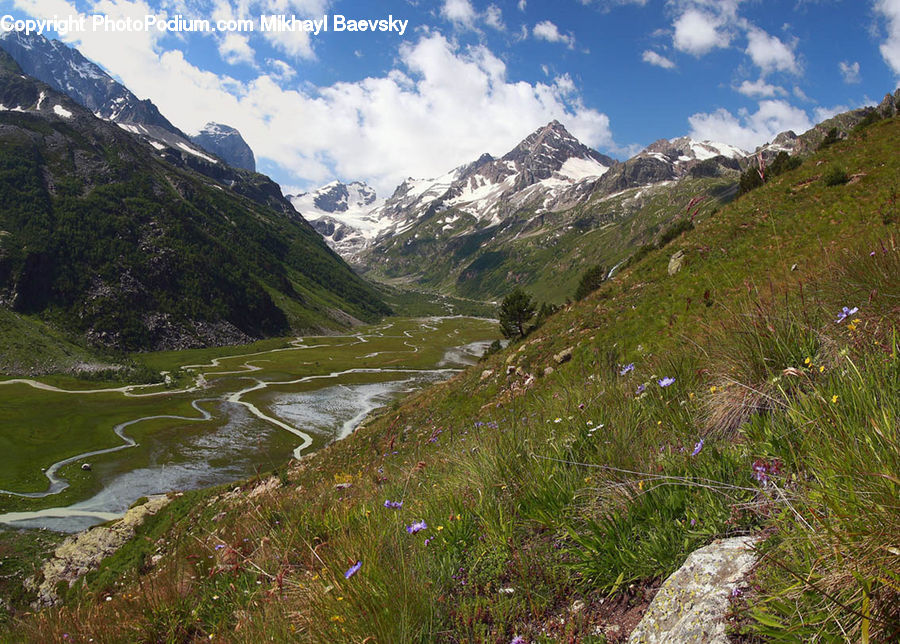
[575, 485]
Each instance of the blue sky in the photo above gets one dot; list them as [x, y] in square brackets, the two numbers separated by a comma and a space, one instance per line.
[470, 76]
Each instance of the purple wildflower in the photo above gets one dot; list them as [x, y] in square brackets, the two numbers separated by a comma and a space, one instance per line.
[693, 522]
[665, 382]
[737, 592]
[845, 313]
[219, 546]
[427, 540]
[626, 369]
[418, 526]
[518, 639]
[641, 388]
[393, 505]
[352, 570]
[697, 448]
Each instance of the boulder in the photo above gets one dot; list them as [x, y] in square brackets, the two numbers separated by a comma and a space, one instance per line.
[691, 604]
[564, 356]
[676, 262]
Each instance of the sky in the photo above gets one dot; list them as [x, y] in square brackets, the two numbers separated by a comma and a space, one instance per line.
[474, 76]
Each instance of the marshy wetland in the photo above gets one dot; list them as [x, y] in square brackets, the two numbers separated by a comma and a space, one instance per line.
[224, 414]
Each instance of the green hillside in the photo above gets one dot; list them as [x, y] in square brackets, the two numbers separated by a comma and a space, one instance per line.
[121, 249]
[557, 472]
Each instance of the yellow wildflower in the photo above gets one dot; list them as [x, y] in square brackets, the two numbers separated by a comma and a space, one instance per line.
[834, 398]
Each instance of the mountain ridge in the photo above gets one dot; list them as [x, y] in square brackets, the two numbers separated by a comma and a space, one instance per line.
[131, 251]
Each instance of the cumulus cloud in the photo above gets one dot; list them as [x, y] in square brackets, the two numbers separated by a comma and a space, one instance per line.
[546, 30]
[235, 48]
[698, 32]
[459, 12]
[890, 48]
[493, 17]
[760, 89]
[438, 96]
[651, 57]
[849, 72]
[770, 53]
[749, 130]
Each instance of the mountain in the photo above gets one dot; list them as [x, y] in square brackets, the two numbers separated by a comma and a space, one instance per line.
[547, 491]
[67, 71]
[226, 142]
[341, 213]
[529, 215]
[130, 249]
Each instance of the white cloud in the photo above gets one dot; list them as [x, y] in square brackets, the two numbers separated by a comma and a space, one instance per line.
[546, 30]
[659, 60]
[849, 71]
[565, 85]
[760, 89]
[890, 48]
[235, 48]
[699, 32]
[493, 17]
[522, 5]
[459, 12]
[747, 130]
[769, 53]
[438, 96]
[281, 70]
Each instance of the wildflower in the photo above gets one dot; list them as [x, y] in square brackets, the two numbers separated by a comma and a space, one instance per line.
[418, 526]
[641, 388]
[834, 398]
[440, 527]
[219, 546]
[337, 618]
[393, 505]
[737, 592]
[665, 382]
[697, 448]
[427, 540]
[626, 369]
[518, 639]
[808, 361]
[845, 313]
[557, 420]
[822, 369]
[713, 389]
[352, 570]
[693, 522]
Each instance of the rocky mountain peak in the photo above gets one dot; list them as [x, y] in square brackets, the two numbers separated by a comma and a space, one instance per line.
[227, 143]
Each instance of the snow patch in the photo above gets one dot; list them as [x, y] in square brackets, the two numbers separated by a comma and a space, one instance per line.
[61, 111]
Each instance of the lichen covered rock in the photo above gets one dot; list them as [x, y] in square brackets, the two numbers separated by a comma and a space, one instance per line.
[692, 603]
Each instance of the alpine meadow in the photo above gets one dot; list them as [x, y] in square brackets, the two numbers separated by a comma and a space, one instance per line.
[421, 333]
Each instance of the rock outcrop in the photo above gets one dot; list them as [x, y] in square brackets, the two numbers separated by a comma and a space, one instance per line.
[691, 604]
[83, 552]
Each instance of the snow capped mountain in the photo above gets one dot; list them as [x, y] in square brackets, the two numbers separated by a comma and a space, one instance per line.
[342, 213]
[227, 143]
[549, 170]
[66, 70]
[681, 155]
